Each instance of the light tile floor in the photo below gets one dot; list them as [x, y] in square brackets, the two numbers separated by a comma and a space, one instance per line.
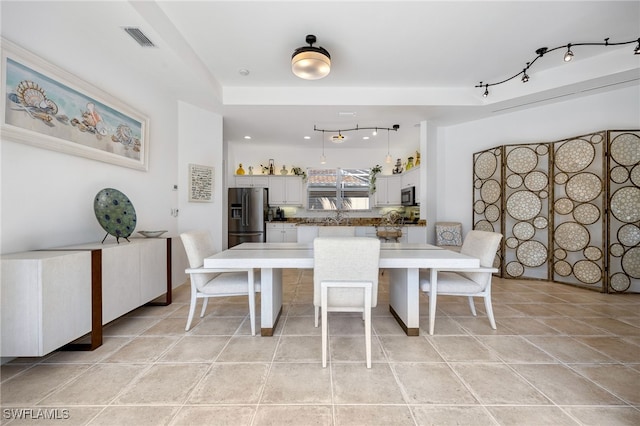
[560, 356]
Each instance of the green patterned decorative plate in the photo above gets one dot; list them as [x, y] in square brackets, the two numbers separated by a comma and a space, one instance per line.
[115, 213]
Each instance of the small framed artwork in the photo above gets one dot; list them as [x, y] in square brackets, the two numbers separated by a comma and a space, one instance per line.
[200, 183]
[48, 107]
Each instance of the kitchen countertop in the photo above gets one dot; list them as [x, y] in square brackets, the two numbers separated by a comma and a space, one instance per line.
[351, 222]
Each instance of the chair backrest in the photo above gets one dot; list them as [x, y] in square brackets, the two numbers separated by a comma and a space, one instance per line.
[482, 245]
[336, 231]
[198, 245]
[346, 259]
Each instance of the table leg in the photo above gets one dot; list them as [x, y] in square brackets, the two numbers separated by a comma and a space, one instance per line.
[433, 295]
[270, 300]
[404, 300]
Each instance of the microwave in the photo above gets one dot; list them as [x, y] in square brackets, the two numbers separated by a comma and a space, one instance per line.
[408, 196]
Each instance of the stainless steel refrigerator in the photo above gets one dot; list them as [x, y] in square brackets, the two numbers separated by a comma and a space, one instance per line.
[247, 214]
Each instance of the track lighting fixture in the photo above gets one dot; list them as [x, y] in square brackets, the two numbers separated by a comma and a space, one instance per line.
[339, 138]
[567, 57]
[340, 132]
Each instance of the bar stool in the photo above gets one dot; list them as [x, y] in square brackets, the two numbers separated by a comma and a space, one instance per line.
[449, 235]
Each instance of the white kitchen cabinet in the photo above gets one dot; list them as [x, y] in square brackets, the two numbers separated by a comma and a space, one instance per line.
[250, 181]
[46, 300]
[412, 178]
[388, 190]
[416, 234]
[285, 190]
[306, 234]
[366, 231]
[278, 232]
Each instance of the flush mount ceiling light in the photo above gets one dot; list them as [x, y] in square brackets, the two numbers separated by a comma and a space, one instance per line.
[310, 62]
[567, 58]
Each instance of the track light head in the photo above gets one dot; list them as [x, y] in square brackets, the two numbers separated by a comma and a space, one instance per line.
[569, 55]
[486, 91]
[636, 51]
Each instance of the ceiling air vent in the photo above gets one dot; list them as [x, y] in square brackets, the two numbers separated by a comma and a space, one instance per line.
[139, 36]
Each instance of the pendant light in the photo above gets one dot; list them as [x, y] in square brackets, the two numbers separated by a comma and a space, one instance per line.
[310, 62]
[388, 157]
[323, 159]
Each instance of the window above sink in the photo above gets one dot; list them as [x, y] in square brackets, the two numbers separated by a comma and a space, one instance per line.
[338, 189]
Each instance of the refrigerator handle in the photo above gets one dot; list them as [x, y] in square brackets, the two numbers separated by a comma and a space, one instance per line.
[245, 208]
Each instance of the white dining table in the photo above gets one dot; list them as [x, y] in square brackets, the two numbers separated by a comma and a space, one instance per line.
[402, 261]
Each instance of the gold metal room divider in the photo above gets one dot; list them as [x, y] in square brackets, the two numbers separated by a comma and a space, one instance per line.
[569, 210]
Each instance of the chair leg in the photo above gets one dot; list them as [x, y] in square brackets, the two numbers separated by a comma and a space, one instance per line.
[192, 308]
[204, 306]
[252, 302]
[317, 314]
[367, 324]
[325, 328]
[489, 309]
[472, 306]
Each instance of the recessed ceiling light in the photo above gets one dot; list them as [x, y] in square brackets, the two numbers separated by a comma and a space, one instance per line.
[307, 137]
[243, 71]
[247, 137]
[347, 114]
[365, 137]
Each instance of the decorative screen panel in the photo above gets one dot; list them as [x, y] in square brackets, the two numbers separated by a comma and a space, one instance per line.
[579, 203]
[624, 211]
[526, 217]
[569, 210]
[487, 193]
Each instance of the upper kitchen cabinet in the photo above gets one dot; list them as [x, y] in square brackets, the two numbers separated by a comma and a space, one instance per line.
[412, 178]
[252, 181]
[285, 190]
[388, 190]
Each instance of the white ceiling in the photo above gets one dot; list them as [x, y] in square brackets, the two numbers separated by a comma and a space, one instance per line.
[393, 62]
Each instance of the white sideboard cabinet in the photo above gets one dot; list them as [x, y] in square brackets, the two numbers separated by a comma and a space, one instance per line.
[134, 272]
[51, 298]
[46, 300]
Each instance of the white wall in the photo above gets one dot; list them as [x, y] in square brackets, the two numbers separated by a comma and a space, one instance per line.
[618, 109]
[47, 197]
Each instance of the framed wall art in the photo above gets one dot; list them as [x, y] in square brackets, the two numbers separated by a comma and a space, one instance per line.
[200, 183]
[48, 107]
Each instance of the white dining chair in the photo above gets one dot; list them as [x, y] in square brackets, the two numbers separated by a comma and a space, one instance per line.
[345, 279]
[206, 283]
[336, 231]
[468, 282]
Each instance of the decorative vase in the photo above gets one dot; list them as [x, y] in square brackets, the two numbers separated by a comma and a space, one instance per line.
[250, 170]
[240, 170]
[409, 163]
[284, 171]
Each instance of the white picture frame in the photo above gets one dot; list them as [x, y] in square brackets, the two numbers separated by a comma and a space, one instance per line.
[48, 107]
